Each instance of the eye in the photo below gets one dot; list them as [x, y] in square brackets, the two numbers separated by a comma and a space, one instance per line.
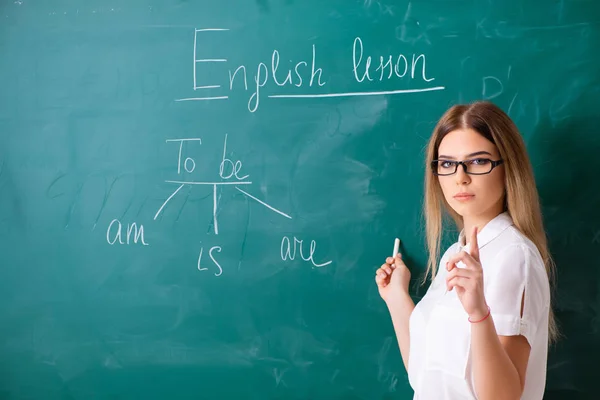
[479, 161]
[446, 164]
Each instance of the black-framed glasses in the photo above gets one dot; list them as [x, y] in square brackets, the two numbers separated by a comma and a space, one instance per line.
[475, 166]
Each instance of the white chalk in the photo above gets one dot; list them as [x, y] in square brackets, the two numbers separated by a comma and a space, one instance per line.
[396, 247]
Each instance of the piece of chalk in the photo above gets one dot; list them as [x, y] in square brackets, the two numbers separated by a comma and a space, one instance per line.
[396, 247]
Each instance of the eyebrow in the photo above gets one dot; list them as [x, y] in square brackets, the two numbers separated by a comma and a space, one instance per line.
[477, 153]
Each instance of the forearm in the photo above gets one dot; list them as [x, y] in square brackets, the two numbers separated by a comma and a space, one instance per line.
[495, 375]
[400, 310]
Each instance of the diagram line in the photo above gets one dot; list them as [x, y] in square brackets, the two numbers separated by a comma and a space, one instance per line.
[263, 203]
[215, 210]
[210, 183]
[166, 201]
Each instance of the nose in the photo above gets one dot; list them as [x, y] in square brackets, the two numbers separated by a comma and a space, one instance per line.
[461, 175]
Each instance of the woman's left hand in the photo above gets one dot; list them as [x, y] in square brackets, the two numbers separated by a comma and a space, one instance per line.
[468, 281]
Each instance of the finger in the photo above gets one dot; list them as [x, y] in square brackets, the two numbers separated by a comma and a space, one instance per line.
[459, 281]
[381, 283]
[388, 269]
[380, 278]
[389, 260]
[463, 272]
[453, 260]
[452, 277]
[474, 245]
[398, 260]
[463, 256]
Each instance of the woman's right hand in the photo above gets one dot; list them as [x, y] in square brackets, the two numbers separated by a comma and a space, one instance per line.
[392, 279]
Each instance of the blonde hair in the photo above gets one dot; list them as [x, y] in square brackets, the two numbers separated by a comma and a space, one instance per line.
[521, 200]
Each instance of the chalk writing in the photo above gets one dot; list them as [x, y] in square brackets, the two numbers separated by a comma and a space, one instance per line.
[229, 171]
[290, 246]
[189, 163]
[263, 72]
[399, 68]
[301, 73]
[116, 235]
[226, 162]
[207, 60]
[489, 81]
[493, 87]
[278, 375]
[213, 259]
[280, 72]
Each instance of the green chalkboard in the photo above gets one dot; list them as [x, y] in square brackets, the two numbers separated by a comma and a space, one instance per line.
[194, 195]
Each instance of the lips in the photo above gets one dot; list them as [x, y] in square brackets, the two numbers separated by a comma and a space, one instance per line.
[464, 196]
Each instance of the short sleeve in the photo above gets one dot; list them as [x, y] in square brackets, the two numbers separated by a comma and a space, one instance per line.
[518, 274]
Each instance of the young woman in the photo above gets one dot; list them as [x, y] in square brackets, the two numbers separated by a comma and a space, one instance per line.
[483, 328]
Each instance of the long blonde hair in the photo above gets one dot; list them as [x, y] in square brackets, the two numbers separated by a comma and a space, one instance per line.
[521, 201]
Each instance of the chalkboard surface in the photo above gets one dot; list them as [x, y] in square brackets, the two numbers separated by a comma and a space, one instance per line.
[194, 195]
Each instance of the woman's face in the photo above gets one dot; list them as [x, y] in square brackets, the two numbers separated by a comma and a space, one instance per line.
[472, 196]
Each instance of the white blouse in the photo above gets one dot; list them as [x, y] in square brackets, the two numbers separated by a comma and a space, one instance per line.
[440, 363]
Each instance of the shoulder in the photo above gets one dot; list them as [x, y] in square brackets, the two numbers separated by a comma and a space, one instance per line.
[516, 261]
[513, 244]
